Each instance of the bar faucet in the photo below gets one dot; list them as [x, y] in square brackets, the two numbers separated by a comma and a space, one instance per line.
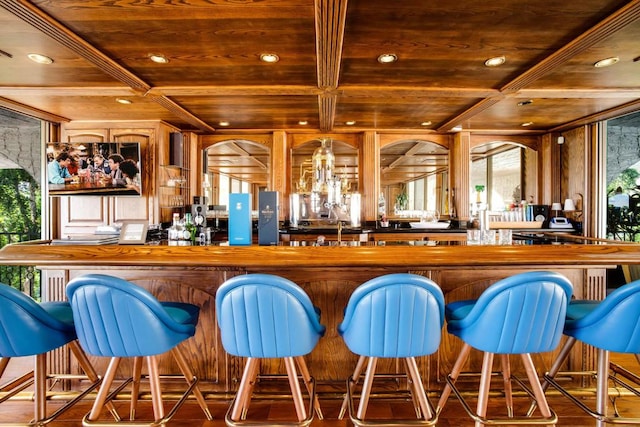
[339, 232]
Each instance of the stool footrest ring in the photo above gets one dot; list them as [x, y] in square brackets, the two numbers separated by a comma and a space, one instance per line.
[598, 416]
[553, 419]
[358, 422]
[251, 423]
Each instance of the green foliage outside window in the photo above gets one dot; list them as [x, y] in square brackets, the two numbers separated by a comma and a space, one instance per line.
[20, 219]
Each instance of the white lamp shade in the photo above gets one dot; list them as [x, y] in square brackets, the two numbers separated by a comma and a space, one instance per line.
[569, 205]
[556, 206]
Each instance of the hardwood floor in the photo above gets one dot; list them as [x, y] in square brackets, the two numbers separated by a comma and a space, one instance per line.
[453, 414]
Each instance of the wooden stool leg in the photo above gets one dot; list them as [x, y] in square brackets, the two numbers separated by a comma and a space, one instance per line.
[536, 387]
[419, 388]
[555, 368]
[304, 371]
[135, 386]
[457, 368]
[243, 389]
[602, 386]
[356, 377]
[103, 392]
[485, 384]
[90, 372]
[154, 383]
[40, 386]
[366, 387]
[506, 379]
[253, 379]
[4, 361]
[188, 375]
[298, 401]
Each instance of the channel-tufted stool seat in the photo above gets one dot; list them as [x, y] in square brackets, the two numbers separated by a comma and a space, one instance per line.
[610, 325]
[523, 314]
[118, 319]
[28, 328]
[264, 316]
[396, 316]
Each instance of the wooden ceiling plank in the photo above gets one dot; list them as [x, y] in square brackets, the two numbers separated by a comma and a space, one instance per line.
[49, 26]
[613, 23]
[30, 111]
[246, 155]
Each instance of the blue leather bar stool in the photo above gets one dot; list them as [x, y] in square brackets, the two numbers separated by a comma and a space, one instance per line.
[118, 319]
[31, 329]
[266, 316]
[392, 316]
[522, 314]
[610, 325]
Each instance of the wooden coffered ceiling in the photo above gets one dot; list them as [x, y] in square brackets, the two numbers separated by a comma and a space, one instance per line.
[328, 73]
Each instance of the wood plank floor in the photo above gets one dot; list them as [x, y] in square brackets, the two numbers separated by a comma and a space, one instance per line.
[453, 414]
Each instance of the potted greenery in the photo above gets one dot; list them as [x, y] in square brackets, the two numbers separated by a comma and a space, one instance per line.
[401, 200]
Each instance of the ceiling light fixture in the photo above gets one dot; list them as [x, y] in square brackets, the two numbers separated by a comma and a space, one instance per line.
[523, 103]
[387, 58]
[496, 61]
[40, 59]
[606, 62]
[525, 124]
[350, 122]
[158, 58]
[269, 58]
[427, 123]
[223, 123]
[457, 128]
[303, 122]
[123, 101]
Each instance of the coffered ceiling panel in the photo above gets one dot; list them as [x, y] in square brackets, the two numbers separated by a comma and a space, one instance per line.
[328, 71]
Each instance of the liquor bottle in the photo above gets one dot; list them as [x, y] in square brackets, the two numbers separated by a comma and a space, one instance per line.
[199, 221]
[189, 232]
[174, 233]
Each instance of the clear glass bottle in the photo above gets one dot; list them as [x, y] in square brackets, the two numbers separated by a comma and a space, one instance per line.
[174, 233]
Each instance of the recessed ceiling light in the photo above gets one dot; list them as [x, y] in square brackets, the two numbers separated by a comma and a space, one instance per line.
[269, 57]
[124, 101]
[303, 122]
[525, 124]
[495, 61]
[40, 59]
[223, 123]
[523, 103]
[427, 123]
[606, 62]
[350, 122]
[457, 128]
[158, 58]
[387, 58]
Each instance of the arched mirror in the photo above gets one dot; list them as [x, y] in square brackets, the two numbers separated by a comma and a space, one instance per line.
[235, 166]
[325, 180]
[414, 178]
[503, 174]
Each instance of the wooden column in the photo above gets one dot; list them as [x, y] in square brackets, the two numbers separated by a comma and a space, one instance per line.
[370, 175]
[280, 172]
[460, 169]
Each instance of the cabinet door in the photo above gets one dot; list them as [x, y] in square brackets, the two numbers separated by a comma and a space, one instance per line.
[138, 208]
[81, 214]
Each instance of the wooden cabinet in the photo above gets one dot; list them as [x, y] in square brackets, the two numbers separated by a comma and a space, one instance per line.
[173, 191]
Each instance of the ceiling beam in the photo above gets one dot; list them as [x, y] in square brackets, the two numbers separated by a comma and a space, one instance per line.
[330, 18]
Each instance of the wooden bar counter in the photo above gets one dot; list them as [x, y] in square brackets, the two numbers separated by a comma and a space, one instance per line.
[329, 274]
